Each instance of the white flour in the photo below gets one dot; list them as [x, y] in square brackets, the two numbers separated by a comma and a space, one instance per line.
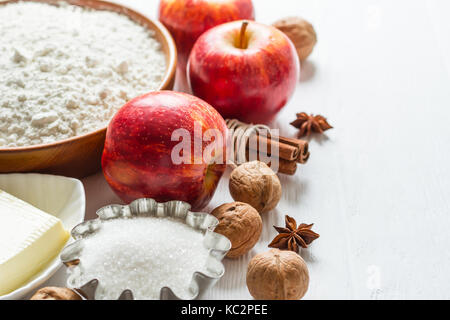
[65, 71]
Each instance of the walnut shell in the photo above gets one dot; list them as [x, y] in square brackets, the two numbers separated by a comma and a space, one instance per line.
[241, 224]
[301, 33]
[256, 184]
[277, 275]
[54, 293]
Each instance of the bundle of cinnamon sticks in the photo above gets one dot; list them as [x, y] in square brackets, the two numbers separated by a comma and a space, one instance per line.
[291, 152]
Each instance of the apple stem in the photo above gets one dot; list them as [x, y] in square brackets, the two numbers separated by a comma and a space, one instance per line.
[242, 35]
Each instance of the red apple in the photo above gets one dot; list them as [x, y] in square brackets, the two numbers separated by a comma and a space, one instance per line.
[138, 160]
[188, 19]
[246, 70]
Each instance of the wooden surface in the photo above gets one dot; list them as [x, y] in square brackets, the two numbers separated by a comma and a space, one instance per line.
[377, 186]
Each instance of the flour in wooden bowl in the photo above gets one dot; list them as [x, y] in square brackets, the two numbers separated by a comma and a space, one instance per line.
[65, 70]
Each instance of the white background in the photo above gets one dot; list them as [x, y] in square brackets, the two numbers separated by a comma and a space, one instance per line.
[377, 186]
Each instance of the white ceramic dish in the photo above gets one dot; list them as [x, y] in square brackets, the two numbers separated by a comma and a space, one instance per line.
[59, 196]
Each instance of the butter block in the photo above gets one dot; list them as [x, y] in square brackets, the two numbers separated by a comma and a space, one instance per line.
[29, 240]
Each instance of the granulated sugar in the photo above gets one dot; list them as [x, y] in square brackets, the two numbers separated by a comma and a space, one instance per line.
[64, 70]
[143, 255]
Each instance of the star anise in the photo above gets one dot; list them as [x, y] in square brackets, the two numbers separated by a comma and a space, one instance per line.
[291, 237]
[308, 123]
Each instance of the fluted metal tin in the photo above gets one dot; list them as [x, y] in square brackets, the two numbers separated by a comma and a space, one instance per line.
[201, 282]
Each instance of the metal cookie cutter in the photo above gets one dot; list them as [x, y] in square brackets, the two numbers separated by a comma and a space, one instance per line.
[217, 244]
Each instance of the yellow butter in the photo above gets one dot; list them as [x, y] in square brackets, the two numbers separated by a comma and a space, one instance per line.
[29, 240]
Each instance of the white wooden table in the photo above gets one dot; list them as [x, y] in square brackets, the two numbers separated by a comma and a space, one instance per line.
[377, 186]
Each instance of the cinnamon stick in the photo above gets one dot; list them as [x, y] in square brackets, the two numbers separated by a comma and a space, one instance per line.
[284, 166]
[289, 149]
[285, 151]
[287, 167]
[302, 145]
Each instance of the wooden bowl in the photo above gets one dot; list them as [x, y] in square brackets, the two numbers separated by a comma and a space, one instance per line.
[81, 156]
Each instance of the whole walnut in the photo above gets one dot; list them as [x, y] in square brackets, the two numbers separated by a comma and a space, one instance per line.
[54, 293]
[301, 33]
[241, 224]
[256, 184]
[277, 275]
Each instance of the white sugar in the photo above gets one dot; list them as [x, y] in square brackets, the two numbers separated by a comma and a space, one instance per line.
[143, 255]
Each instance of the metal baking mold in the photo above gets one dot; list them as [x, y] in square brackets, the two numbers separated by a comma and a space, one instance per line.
[218, 244]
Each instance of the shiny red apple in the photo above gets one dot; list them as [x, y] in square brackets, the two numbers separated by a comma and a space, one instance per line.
[246, 70]
[142, 151]
[188, 19]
